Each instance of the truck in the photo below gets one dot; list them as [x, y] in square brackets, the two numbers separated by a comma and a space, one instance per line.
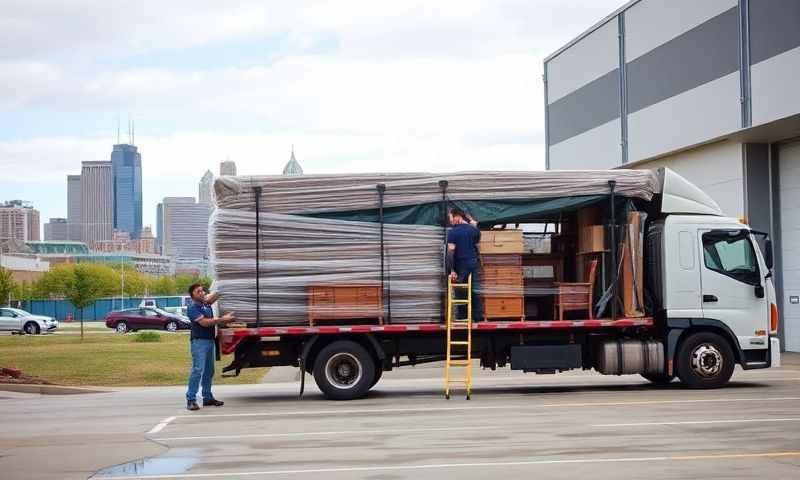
[682, 291]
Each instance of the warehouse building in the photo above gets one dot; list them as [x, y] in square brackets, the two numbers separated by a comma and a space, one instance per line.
[706, 88]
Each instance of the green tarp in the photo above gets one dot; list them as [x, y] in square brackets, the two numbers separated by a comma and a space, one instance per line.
[485, 211]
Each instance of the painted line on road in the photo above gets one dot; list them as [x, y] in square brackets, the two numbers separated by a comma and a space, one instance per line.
[161, 425]
[439, 466]
[698, 422]
[340, 432]
[518, 407]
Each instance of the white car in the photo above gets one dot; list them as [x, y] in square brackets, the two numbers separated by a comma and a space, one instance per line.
[16, 320]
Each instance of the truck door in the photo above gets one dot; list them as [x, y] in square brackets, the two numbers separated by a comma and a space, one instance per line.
[733, 287]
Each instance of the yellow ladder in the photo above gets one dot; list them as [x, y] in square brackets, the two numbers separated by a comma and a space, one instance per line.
[462, 345]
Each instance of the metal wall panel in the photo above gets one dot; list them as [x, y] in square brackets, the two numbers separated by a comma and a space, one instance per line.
[597, 148]
[789, 187]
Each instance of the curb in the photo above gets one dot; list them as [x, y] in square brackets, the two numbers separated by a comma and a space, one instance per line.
[47, 389]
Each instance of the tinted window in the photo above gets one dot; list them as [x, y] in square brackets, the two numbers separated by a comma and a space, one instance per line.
[731, 253]
[6, 313]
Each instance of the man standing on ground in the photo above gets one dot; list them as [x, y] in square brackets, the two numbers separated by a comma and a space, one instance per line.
[462, 255]
[202, 345]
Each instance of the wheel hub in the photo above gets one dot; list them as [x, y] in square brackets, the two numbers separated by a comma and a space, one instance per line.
[706, 360]
[343, 370]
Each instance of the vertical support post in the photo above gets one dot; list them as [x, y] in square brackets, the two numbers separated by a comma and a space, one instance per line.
[257, 193]
[443, 185]
[613, 247]
[381, 187]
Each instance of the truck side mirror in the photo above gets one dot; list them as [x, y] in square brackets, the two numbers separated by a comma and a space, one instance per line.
[759, 291]
[769, 258]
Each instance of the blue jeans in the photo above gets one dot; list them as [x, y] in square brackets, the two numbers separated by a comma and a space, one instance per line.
[464, 268]
[202, 369]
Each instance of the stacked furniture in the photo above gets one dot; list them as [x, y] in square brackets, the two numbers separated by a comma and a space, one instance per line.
[502, 282]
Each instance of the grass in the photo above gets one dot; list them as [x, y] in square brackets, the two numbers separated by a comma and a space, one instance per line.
[147, 337]
[109, 360]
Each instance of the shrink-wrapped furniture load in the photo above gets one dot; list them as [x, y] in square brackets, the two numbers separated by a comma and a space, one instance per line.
[325, 245]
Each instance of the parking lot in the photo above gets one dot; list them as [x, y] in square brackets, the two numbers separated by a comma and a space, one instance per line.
[516, 425]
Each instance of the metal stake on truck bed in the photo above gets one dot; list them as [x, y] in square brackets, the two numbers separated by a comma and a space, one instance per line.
[458, 325]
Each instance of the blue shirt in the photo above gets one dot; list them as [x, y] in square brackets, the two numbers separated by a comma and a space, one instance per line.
[466, 238]
[194, 312]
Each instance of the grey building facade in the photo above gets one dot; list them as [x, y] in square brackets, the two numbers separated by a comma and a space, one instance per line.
[706, 88]
[97, 201]
[57, 229]
[185, 227]
[74, 208]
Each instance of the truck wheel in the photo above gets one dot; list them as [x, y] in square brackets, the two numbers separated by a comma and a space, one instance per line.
[344, 370]
[659, 378]
[705, 360]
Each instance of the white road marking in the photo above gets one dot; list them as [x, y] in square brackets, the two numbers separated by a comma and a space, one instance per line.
[439, 466]
[161, 425]
[341, 432]
[698, 422]
[517, 407]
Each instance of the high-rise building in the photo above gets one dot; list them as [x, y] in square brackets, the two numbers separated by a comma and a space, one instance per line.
[292, 167]
[206, 188]
[57, 229]
[19, 221]
[146, 242]
[185, 222]
[97, 201]
[228, 167]
[160, 229]
[127, 188]
[74, 228]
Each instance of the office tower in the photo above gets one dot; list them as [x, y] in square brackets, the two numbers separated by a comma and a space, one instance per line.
[127, 188]
[292, 167]
[160, 229]
[228, 167]
[206, 188]
[57, 229]
[185, 225]
[97, 201]
[146, 242]
[74, 228]
[19, 221]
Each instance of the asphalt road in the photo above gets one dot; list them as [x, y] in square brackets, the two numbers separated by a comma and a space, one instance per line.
[575, 425]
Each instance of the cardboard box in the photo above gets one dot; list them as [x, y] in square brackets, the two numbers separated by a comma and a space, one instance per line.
[592, 239]
[501, 241]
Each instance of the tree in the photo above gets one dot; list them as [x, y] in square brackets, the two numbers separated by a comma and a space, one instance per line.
[86, 287]
[7, 285]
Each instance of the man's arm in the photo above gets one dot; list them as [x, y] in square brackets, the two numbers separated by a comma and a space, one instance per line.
[211, 298]
[450, 259]
[208, 322]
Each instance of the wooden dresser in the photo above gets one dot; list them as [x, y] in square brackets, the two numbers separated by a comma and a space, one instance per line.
[345, 302]
[503, 286]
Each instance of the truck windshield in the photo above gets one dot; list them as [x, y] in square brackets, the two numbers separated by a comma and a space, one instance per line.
[731, 253]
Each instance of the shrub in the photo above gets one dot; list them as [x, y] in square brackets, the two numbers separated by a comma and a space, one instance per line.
[147, 337]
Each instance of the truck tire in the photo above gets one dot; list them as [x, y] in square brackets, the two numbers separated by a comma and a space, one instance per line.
[378, 375]
[705, 360]
[658, 378]
[344, 370]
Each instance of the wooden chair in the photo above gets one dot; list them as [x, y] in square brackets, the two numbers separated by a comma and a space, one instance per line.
[575, 296]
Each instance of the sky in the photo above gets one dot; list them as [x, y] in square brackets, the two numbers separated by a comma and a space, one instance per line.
[355, 86]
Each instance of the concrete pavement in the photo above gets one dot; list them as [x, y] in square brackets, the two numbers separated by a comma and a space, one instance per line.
[516, 425]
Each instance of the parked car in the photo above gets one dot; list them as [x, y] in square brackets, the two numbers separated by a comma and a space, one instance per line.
[146, 318]
[16, 320]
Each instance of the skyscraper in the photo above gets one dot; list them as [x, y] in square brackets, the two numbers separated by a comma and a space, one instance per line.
[19, 221]
[206, 188]
[74, 228]
[160, 229]
[292, 167]
[183, 218]
[228, 167]
[56, 229]
[97, 201]
[127, 188]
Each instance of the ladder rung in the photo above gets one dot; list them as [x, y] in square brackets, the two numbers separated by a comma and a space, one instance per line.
[459, 342]
[459, 362]
[459, 302]
[460, 285]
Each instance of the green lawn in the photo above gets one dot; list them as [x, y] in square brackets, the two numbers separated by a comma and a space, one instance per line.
[108, 360]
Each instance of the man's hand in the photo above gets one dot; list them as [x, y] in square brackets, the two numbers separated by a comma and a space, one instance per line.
[211, 298]
[453, 276]
[227, 318]
[472, 221]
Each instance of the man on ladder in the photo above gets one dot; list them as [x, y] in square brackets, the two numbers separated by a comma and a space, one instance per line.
[462, 256]
[463, 302]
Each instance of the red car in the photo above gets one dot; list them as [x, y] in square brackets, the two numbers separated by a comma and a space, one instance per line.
[146, 318]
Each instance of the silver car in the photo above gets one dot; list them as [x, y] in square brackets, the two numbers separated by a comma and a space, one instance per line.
[16, 320]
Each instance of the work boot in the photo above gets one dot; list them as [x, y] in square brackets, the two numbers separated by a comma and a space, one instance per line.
[213, 403]
[192, 405]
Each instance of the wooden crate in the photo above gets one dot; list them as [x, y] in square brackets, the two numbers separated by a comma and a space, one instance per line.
[345, 302]
[501, 241]
[504, 307]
